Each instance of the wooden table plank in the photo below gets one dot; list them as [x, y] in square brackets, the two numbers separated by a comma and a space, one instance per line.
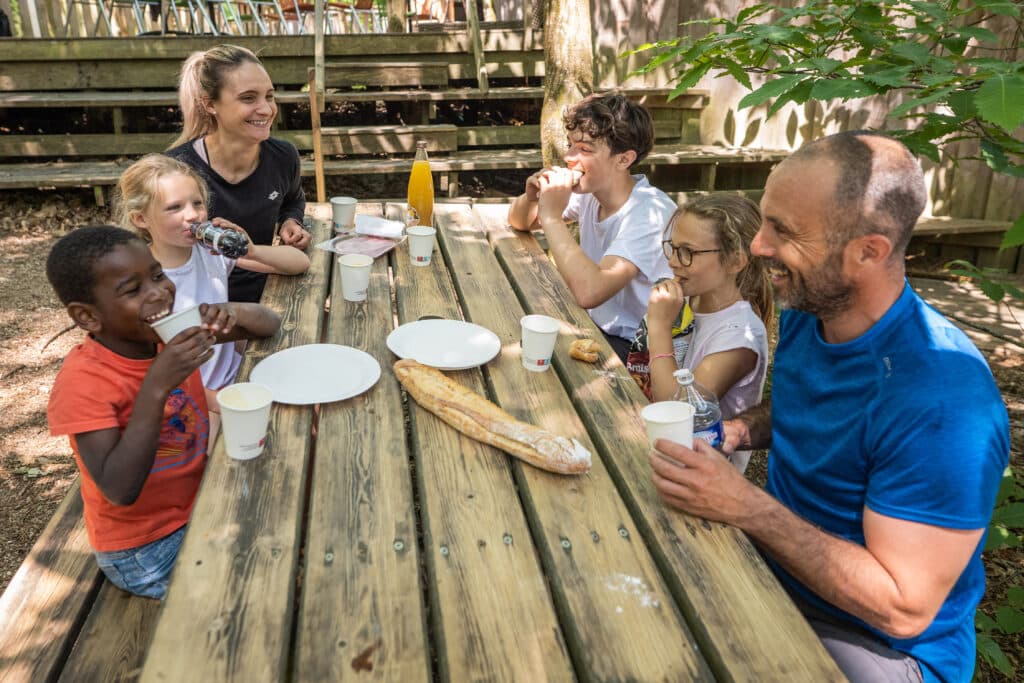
[228, 613]
[746, 624]
[618, 617]
[492, 615]
[362, 615]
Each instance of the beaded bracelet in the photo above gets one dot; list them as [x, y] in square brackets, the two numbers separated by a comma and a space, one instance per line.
[663, 355]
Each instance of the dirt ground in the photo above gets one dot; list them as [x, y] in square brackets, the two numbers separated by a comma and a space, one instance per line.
[37, 469]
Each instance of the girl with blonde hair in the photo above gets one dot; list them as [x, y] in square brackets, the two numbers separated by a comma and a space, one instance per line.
[707, 243]
[160, 197]
[227, 103]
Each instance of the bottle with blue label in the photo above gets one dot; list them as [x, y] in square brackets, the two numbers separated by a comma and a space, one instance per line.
[707, 416]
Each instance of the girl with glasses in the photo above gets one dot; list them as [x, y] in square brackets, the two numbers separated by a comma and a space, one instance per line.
[707, 243]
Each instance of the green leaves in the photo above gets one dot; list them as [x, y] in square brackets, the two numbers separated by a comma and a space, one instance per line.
[771, 89]
[914, 52]
[1010, 515]
[947, 67]
[1009, 619]
[1000, 100]
[841, 88]
[989, 650]
[1014, 237]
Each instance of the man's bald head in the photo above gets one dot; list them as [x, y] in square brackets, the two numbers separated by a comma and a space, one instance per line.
[879, 188]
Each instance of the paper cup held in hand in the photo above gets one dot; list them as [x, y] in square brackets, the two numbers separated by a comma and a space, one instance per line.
[169, 327]
[244, 413]
[672, 420]
[355, 276]
[539, 333]
[343, 210]
[421, 244]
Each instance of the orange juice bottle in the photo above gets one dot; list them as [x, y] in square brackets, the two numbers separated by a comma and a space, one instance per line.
[421, 186]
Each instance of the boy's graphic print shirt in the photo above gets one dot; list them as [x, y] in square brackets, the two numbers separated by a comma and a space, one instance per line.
[96, 389]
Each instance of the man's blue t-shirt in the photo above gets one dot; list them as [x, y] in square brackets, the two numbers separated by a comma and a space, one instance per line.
[906, 420]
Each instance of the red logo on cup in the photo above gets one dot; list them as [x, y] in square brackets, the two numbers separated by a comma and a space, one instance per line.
[544, 361]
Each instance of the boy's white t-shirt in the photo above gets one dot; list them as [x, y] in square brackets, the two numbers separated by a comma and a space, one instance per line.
[203, 279]
[634, 233]
[733, 327]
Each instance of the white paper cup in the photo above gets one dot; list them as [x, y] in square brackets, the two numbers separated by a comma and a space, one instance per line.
[355, 275]
[169, 327]
[421, 244]
[344, 212]
[539, 333]
[244, 414]
[672, 420]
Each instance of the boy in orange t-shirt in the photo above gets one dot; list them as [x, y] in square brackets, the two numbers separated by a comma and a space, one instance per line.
[134, 410]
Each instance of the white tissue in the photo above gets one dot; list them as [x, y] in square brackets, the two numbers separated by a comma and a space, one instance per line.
[378, 227]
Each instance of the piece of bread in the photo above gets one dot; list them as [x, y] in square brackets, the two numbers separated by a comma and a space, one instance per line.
[476, 417]
[584, 349]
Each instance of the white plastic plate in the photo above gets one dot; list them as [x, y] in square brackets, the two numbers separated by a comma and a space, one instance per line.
[445, 344]
[317, 373]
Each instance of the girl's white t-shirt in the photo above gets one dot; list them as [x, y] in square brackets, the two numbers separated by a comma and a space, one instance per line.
[203, 279]
[734, 327]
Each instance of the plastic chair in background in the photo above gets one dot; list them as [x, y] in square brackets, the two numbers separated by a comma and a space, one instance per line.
[222, 13]
[365, 17]
[265, 11]
[298, 13]
[198, 17]
[102, 16]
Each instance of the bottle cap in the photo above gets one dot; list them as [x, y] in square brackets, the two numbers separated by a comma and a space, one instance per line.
[421, 143]
[683, 376]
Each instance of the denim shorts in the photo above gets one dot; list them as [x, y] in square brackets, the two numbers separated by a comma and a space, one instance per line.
[145, 570]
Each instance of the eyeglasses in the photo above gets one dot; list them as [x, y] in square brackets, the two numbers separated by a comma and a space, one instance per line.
[682, 253]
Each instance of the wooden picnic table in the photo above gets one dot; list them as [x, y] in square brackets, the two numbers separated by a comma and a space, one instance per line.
[372, 541]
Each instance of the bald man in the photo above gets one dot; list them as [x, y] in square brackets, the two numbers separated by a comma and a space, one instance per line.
[888, 435]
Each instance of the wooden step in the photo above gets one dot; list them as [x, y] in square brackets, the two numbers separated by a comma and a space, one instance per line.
[93, 173]
[380, 139]
[946, 225]
[337, 140]
[443, 137]
[384, 74]
[56, 99]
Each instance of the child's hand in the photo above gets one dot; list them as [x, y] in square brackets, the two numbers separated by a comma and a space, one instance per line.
[555, 188]
[225, 223]
[218, 318]
[533, 185]
[667, 300]
[187, 351]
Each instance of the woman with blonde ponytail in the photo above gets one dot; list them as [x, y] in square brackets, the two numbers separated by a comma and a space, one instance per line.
[227, 104]
[707, 243]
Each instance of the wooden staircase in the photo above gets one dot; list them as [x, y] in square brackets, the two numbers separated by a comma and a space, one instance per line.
[417, 79]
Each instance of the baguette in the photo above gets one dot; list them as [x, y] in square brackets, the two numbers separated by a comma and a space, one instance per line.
[478, 418]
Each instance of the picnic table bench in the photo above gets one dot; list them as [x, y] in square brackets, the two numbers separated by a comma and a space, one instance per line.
[372, 541]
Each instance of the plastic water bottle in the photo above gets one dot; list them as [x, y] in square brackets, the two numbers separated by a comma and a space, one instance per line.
[228, 242]
[707, 416]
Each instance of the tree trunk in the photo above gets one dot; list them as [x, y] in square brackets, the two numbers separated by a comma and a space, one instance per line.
[568, 69]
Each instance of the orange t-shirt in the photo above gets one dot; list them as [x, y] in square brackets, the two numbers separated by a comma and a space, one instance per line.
[96, 389]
